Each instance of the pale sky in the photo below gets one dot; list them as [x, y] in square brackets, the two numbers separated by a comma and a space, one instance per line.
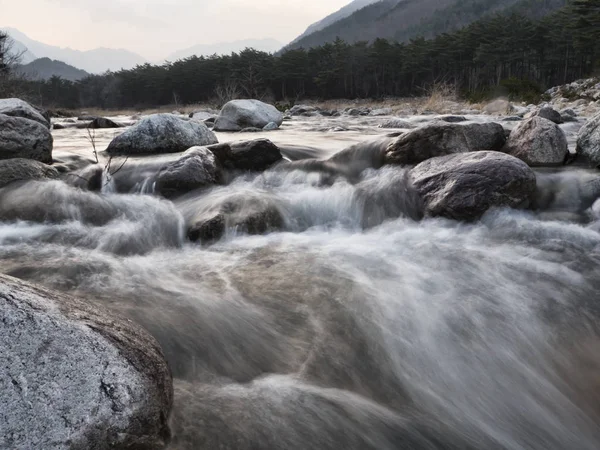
[155, 28]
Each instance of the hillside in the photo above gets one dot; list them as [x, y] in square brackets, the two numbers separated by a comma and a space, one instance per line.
[46, 68]
[98, 60]
[402, 20]
[225, 48]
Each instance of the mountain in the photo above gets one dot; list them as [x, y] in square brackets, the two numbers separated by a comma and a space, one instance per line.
[332, 18]
[46, 68]
[226, 48]
[402, 20]
[93, 61]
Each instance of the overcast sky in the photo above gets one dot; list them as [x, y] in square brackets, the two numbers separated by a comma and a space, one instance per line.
[155, 28]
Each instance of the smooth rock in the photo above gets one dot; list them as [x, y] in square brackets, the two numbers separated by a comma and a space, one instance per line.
[440, 138]
[197, 168]
[90, 178]
[382, 112]
[24, 138]
[271, 126]
[103, 122]
[76, 376]
[202, 116]
[255, 155]
[239, 114]
[20, 169]
[161, 133]
[538, 142]
[15, 107]
[396, 123]
[548, 113]
[304, 110]
[588, 141]
[464, 186]
[452, 119]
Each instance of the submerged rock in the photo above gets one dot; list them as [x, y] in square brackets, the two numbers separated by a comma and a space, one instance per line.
[246, 212]
[465, 186]
[77, 376]
[103, 122]
[197, 168]
[239, 114]
[588, 141]
[15, 107]
[304, 110]
[161, 133]
[90, 178]
[452, 119]
[271, 126]
[255, 155]
[440, 138]
[396, 123]
[538, 142]
[20, 169]
[24, 138]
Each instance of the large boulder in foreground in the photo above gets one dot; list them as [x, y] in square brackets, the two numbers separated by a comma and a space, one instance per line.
[197, 168]
[240, 114]
[19, 169]
[588, 141]
[75, 376]
[254, 156]
[15, 107]
[161, 133]
[538, 142]
[441, 138]
[464, 186]
[24, 138]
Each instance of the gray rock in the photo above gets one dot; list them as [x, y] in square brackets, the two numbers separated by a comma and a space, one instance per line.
[247, 212]
[161, 133]
[24, 138]
[255, 155]
[19, 169]
[103, 122]
[197, 168]
[89, 179]
[58, 126]
[382, 112]
[538, 142]
[239, 114]
[202, 116]
[512, 119]
[271, 126]
[464, 186]
[452, 119]
[547, 113]
[304, 110]
[440, 138]
[588, 141]
[361, 111]
[396, 123]
[15, 107]
[76, 376]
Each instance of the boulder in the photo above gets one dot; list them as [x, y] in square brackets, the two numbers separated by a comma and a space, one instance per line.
[382, 112]
[24, 138]
[202, 116]
[91, 178]
[452, 119]
[588, 141]
[538, 142]
[103, 122]
[245, 212]
[58, 126]
[271, 126]
[568, 115]
[15, 107]
[197, 168]
[464, 186]
[255, 155]
[20, 169]
[239, 114]
[548, 113]
[396, 123]
[303, 110]
[161, 133]
[74, 375]
[440, 138]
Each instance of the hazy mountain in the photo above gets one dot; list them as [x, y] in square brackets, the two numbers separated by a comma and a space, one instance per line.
[225, 48]
[402, 20]
[94, 61]
[46, 68]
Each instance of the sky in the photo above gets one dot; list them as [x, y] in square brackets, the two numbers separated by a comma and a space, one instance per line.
[155, 28]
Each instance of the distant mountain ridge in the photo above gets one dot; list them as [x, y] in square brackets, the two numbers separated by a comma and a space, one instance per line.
[98, 60]
[225, 48]
[46, 68]
[401, 20]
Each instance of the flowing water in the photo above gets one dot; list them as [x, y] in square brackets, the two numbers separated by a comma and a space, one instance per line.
[358, 327]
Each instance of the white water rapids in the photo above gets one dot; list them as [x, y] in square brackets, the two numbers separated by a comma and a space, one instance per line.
[358, 327]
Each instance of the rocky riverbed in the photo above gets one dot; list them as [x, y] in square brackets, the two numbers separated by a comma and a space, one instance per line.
[350, 280]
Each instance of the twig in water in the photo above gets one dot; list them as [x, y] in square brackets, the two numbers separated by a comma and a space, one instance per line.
[92, 138]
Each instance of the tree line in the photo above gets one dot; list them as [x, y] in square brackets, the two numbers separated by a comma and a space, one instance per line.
[520, 55]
